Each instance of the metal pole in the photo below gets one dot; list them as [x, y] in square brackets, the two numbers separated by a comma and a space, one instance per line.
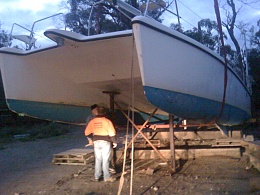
[31, 35]
[146, 8]
[172, 145]
[246, 62]
[112, 108]
[89, 21]
[178, 16]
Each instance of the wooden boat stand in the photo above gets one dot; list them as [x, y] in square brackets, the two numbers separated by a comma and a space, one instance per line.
[139, 128]
[185, 126]
[139, 131]
[112, 108]
[171, 168]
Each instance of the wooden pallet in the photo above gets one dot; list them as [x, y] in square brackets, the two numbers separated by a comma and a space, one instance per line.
[72, 157]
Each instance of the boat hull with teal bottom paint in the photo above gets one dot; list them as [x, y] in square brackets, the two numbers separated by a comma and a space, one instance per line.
[185, 78]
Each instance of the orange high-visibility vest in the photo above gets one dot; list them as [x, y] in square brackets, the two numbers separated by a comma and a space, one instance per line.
[100, 126]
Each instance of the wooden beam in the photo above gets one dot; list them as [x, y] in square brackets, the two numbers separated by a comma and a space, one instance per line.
[172, 144]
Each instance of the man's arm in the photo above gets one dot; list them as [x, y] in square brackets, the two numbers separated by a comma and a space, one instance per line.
[112, 133]
[89, 133]
[113, 139]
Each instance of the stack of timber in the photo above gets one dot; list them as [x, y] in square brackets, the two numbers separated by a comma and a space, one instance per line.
[252, 151]
[73, 157]
[227, 143]
[142, 143]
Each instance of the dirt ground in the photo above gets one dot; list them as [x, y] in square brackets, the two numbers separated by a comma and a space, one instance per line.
[26, 168]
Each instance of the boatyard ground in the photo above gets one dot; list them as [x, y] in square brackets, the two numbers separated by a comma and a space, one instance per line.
[26, 168]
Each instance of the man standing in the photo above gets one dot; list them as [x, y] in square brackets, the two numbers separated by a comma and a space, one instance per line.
[102, 132]
[93, 108]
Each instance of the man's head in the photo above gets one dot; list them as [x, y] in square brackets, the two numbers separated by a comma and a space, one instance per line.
[94, 109]
[101, 111]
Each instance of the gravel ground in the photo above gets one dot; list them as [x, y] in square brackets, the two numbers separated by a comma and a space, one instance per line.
[26, 168]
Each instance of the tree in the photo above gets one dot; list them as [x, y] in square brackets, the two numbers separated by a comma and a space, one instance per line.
[3, 39]
[104, 17]
[254, 65]
[230, 24]
[255, 40]
[205, 34]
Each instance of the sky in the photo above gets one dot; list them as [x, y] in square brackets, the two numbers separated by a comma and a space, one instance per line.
[26, 12]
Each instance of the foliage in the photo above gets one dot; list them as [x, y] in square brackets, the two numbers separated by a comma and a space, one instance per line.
[254, 67]
[232, 9]
[255, 40]
[176, 27]
[207, 37]
[103, 17]
[23, 130]
[50, 130]
[206, 33]
[3, 39]
[254, 64]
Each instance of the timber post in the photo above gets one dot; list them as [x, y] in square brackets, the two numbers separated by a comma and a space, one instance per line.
[172, 144]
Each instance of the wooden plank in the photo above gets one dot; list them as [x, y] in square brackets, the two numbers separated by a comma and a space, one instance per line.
[79, 156]
[69, 162]
[189, 153]
[227, 142]
[143, 143]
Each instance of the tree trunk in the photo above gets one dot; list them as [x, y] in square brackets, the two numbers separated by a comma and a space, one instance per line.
[230, 28]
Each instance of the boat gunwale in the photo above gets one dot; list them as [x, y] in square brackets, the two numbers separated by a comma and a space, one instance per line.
[197, 45]
[87, 39]
[26, 53]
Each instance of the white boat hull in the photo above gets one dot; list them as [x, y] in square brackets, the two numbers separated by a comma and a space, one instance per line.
[60, 83]
[185, 78]
[177, 75]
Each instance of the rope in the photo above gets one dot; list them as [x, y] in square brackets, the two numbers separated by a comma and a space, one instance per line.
[122, 179]
[132, 103]
[225, 58]
[121, 182]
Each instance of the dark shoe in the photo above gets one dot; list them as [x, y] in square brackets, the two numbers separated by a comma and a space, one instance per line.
[97, 179]
[110, 179]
